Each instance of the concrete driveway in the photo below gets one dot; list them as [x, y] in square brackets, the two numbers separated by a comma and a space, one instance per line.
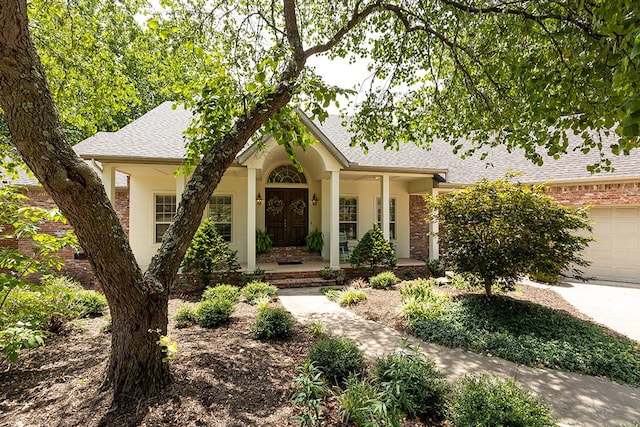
[615, 305]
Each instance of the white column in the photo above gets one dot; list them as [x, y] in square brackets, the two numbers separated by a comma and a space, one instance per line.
[251, 220]
[334, 235]
[384, 207]
[181, 183]
[109, 182]
[434, 245]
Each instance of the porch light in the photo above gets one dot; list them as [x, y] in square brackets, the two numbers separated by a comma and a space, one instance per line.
[314, 200]
[259, 199]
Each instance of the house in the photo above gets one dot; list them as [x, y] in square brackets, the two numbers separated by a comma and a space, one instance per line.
[343, 191]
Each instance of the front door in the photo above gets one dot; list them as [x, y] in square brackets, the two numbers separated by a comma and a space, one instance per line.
[287, 215]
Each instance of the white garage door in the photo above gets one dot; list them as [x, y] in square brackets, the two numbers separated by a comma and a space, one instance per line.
[615, 255]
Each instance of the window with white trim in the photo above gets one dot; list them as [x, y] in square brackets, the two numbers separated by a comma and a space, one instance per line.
[221, 214]
[348, 217]
[165, 210]
[392, 217]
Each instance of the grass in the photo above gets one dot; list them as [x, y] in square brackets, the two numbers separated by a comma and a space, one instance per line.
[532, 335]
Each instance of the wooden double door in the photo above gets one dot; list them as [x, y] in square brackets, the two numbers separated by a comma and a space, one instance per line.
[287, 215]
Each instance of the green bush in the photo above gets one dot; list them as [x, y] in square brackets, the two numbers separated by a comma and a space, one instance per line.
[89, 303]
[489, 401]
[337, 357]
[228, 292]
[263, 241]
[272, 322]
[185, 315]
[209, 255]
[411, 384]
[362, 404]
[436, 268]
[315, 241]
[213, 313]
[350, 296]
[500, 231]
[15, 338]
[373, 251]
[420, 300]
[384, 280]
[255, 290]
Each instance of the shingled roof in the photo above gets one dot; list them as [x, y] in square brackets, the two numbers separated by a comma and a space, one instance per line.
[158, 136]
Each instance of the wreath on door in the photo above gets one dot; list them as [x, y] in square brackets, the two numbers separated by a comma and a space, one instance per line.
[275, 206]
[297, 207]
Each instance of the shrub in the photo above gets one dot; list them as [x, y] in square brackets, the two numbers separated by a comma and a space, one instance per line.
[215, 312]
[349, 296]
[373, 251]
[500, 231]
[89, 303]
[411, 384]
[436, 268]
[362, 404]
[490, 401]
[185, 315]
[272, 322]
[254, 290]
[309, 395]
[14, 338]
[210, 255]
[358, 283]
[384, 280]
[420, 301]
[228, 292]
[337, 357]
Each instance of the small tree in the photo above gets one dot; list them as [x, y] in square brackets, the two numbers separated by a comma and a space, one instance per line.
[500, 231]
[374, 251]
[210, 255]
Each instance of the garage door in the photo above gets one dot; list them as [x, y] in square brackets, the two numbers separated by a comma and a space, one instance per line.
[615, 255]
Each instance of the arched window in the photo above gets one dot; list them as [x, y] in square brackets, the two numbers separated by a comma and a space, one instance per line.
[286, 174]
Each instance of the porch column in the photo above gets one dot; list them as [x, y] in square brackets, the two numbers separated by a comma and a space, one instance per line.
[109, 182]
[434, 245]
[334, 221]
[251, 220]
[384, 207]
[181, 183]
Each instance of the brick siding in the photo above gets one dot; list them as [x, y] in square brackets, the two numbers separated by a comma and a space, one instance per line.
[77, 268]
[597, 194]
[418, 228]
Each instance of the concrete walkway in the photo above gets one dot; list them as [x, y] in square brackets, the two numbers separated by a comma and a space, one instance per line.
[577, 400]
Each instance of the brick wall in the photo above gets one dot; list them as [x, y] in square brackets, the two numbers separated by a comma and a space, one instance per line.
[597, 194]
[418, 228]
[78, 268]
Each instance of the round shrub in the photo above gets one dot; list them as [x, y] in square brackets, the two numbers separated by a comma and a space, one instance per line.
[362, 404]
[337, 357]
[486, 401]
[350, 296]
[255, 290]
[185, 315]
[411, 383]
[89, 303]
[384, 280]
[228, 292]
[272, 322]
[215, 312]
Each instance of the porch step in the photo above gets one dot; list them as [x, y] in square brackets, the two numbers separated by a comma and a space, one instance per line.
[288, 254]
[301, 282]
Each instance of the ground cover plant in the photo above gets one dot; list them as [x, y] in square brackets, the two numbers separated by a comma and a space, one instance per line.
[384, 280]
[519, 331]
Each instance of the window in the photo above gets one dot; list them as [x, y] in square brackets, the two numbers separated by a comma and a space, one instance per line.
[220, 213]
[392, 217]
[286, 174]
[348, 217]
[165, 211]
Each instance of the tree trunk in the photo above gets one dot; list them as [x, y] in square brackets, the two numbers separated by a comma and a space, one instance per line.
[138, 305]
